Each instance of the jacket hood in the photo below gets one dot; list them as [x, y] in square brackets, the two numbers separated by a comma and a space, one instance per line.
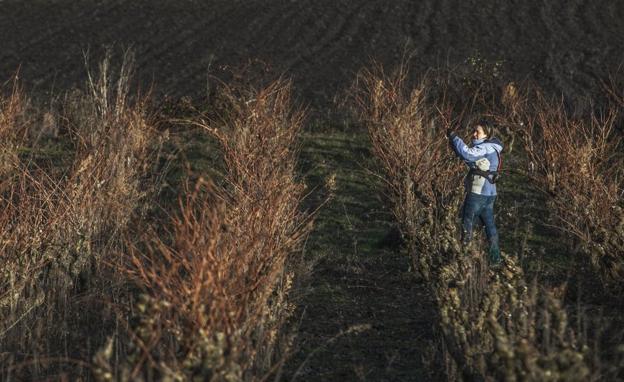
[498, 145]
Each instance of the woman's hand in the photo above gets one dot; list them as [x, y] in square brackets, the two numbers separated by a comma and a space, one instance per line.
[450, 134]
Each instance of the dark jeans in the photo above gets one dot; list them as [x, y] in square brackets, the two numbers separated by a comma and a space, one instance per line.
[482, 207]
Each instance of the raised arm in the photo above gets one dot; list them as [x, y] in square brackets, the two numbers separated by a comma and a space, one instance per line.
[468, 154]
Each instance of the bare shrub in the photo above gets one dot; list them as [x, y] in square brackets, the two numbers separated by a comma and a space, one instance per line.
[58, 224]
[217, 285]
[578, 163]
[423, 181]
[13, 129]
[493, 326]
[113, 141]
[498, 327]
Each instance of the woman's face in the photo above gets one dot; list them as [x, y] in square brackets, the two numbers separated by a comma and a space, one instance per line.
[478, 133]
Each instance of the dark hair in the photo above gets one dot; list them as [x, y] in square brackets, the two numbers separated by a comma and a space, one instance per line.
[488, 127]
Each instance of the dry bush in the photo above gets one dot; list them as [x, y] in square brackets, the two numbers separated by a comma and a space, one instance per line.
[58, 228]
[497, 327]
[217, 285]
[27, 201]
[113, 139]
[613, 88]
[493, 326]
[13, 131]
[578, 163]
[422, 179]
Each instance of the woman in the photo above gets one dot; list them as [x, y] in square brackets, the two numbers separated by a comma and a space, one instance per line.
[483, 159]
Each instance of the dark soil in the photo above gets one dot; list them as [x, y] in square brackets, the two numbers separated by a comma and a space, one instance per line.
[364, 315]
[565, 45]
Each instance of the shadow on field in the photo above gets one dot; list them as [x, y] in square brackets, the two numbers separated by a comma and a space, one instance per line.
[364, 317]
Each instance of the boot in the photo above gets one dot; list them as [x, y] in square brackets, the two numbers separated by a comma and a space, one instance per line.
[494, 256]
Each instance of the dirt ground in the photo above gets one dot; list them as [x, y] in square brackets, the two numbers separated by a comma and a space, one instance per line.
[565, 45]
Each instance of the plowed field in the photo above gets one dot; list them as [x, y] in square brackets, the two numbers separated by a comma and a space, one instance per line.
[321, 43]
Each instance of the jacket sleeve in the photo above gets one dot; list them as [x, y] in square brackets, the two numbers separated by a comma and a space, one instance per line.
[468, 154]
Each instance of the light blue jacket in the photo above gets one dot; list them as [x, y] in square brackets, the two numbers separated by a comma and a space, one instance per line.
[489, 149]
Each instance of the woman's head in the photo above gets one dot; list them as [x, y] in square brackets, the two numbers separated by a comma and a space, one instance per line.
[482, 129]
